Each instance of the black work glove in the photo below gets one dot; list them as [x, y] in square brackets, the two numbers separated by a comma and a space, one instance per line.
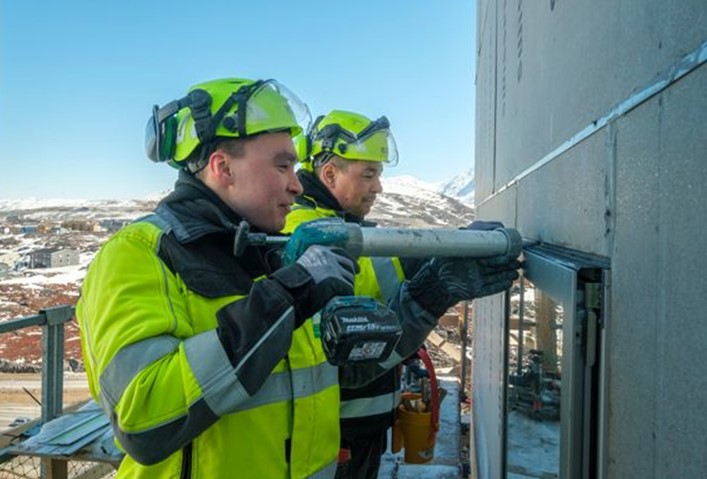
[480, 225]
[443, 282]
[321, 273]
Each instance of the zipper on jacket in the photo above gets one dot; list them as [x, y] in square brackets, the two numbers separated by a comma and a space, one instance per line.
[186, 462]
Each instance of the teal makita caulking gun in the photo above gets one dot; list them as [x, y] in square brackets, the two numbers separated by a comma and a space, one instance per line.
[357, 329]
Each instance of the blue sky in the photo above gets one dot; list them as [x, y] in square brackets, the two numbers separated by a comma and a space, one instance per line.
[78, 79]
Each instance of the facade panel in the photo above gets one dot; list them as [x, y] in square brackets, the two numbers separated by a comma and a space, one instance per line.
[596, 142]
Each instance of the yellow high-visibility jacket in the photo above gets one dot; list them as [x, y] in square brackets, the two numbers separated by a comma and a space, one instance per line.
[193, 355]
[368, 409]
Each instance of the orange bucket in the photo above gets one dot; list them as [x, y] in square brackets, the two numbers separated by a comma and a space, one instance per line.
[416, 427]
[418, 435]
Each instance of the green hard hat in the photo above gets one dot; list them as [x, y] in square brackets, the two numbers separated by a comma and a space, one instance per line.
[224, 108]
[352, 136]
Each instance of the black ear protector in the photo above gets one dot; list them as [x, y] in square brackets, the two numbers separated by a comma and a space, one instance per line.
[314, 135]
[160, 135]
[161, 130]
[328, 136]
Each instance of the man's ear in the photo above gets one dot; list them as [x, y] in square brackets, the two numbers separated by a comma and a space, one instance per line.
[220, 169]
[327, 174]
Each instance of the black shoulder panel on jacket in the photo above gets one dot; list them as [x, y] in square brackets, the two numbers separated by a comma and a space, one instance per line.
[207, 267]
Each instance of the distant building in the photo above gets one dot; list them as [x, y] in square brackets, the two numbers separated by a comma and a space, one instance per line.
[53, 258]
[44, 228]
[112, 225]
[82, 225]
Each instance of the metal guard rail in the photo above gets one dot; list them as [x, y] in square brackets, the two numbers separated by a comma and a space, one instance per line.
[52, 321]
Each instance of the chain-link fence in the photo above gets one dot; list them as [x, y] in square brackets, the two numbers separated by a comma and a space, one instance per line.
[21, 467]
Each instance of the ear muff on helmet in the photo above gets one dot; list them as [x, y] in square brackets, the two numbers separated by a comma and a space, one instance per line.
[160, 137]
[326, 138]
[199, 102]
[161, 129]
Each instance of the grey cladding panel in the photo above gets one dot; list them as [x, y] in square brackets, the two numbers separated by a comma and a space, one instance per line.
[485, 100]
[560, 69]
[681, 323]
[632, 333]
[501, 207]
[658, 334]
[565, 202]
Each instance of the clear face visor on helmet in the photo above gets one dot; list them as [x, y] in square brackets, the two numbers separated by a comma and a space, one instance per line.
[265, 110]
[373, 143]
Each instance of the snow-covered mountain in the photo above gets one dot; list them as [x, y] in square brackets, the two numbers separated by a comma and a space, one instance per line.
[408, 201]
[33, 210]
[405, 201]
[461, 187]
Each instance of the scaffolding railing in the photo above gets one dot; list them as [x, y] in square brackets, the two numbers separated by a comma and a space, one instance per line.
[52, 321]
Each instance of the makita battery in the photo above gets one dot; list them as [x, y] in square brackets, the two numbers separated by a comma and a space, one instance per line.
[357, 329]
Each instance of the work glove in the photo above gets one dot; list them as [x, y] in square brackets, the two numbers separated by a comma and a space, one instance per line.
[443, 282]
[318, 275]
[480, 225]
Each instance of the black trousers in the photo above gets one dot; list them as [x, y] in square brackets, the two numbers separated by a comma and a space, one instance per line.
[366, 452]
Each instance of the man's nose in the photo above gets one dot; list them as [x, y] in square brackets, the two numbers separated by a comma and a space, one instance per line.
[295, 186]
[377, 185]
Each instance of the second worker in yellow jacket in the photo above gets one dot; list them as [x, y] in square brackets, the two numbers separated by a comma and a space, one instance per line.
[344, 156]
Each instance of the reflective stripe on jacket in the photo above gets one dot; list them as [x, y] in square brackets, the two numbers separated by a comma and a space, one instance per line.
[368, 408]
[181, 404]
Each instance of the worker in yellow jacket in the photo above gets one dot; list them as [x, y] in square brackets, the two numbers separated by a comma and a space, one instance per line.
[344, 154]
[206, 363]
[346, 185]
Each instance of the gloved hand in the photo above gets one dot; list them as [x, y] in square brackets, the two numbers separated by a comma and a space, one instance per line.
[318, 275]
[443, 282]
[480, 225]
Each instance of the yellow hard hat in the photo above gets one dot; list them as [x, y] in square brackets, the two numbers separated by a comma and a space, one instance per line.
[351, 136]
[225, 108]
